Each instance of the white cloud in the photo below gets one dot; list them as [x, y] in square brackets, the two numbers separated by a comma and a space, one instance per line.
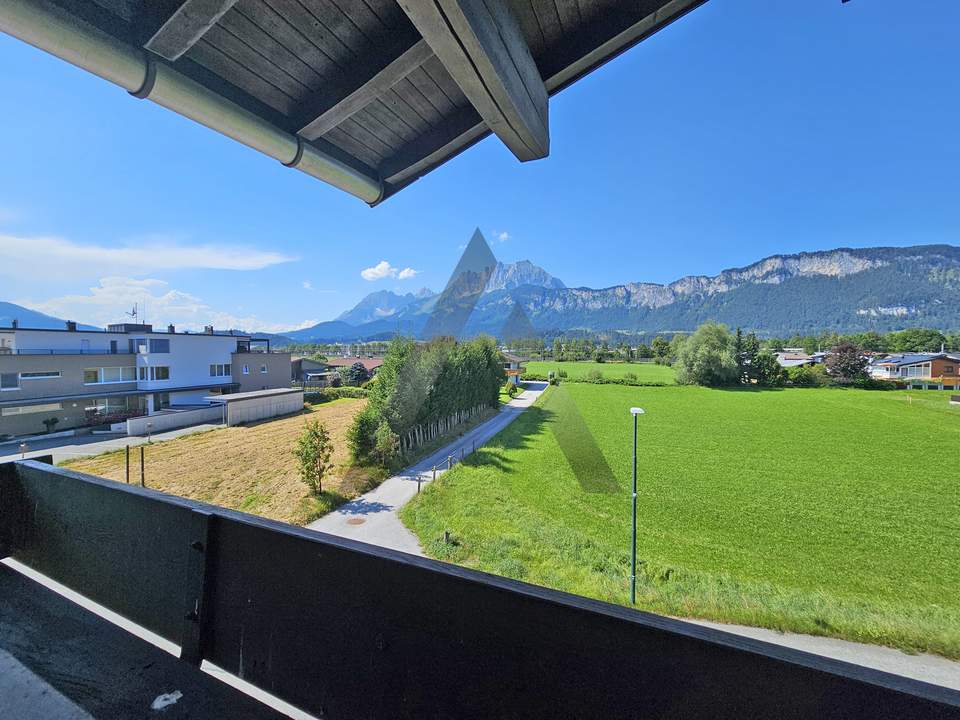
[307, 285]
[45, 257]
[383, 270]
[378, 272]
[114, 296]
[502, 235]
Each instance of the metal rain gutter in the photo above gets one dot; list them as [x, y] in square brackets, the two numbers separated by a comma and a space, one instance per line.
[48, 28]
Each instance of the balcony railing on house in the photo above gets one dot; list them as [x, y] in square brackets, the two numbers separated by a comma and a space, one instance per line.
[70, 351]
[346, 630]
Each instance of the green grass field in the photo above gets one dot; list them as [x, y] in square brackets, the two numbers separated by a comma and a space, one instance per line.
[645, 372]
[825, 511]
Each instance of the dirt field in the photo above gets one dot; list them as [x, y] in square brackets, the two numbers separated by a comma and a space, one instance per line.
[249, 468]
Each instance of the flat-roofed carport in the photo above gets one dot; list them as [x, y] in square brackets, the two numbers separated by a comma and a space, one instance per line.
[367, 96]
[258, 404]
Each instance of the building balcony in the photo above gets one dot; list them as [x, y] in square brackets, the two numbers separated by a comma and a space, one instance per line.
[341, 629]
[64, 351]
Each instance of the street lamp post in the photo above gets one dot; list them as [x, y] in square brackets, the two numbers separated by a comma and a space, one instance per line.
[635, 411]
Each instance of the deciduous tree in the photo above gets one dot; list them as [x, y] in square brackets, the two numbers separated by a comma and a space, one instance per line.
[313, 453]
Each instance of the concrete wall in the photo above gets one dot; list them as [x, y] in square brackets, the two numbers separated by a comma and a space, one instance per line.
[170, 420]
[70, 415]
[277, 375]
[241, 411]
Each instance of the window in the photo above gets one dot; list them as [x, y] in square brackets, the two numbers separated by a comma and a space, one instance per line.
[220, 370]
[246, 369]
[44, 375]
[948, 369]
[92, 376]
[160, 372]
[9, 381]
[137, 345]
[263, 369]
[105, 406]
[159, 346]
[143, 373]
[27, 409]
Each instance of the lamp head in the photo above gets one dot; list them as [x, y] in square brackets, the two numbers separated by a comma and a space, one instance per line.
[636, 411]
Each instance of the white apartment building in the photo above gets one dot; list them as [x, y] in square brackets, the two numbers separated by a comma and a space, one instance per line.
[95, 377]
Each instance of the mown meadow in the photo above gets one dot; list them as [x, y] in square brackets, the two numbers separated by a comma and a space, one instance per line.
[647, 373]
[824, 511]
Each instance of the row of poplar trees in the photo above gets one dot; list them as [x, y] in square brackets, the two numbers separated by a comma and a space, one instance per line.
[424, 390]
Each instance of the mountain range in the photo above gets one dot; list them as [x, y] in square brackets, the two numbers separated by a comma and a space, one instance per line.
[33, 319]
[846, 289]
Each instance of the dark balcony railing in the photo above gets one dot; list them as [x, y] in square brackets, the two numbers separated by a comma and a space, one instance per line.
[73, 351]
[347, 630]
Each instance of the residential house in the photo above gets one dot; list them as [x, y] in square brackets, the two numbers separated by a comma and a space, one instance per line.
[796, 357]
[93, 377]
[512, 364]
[315, 373]
[939, 367]
[372, 364]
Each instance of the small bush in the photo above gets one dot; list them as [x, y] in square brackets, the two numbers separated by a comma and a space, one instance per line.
[360, 435]
[561, 373]
[809, 376]
[594, 376]
[630, 377]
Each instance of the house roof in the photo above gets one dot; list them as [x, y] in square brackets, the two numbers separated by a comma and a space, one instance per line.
[907, 359]
[511, 358]
[368, 96]
[369, 363]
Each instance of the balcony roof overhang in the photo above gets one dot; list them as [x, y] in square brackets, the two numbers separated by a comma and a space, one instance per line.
[369, 96]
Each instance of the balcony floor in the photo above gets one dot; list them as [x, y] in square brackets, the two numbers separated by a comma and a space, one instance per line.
[60, 660]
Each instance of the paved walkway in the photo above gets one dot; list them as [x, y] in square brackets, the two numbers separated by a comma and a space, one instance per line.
[928, 668]
[372, 517]
[72, 447]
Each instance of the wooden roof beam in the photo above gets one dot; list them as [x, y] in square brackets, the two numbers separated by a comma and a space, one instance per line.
[481, 45]
[332, 107]
[185, 26]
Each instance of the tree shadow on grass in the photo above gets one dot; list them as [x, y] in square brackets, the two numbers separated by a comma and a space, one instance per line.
[560, 413]
[517, 435]
[578, 445]
[748, 388]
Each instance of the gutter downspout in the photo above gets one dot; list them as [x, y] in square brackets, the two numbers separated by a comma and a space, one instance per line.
[43, 25]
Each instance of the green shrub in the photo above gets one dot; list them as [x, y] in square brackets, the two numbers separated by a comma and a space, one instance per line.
[561, 373]
[360, 435]
[594, 376]
[809, 376]
[335, 393]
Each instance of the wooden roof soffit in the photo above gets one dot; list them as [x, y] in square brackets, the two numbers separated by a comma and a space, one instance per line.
[480, 44]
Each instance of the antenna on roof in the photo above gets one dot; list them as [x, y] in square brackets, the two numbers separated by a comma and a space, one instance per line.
[133, 312]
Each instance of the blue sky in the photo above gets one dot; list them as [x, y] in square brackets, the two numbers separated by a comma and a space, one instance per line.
[747, 128]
